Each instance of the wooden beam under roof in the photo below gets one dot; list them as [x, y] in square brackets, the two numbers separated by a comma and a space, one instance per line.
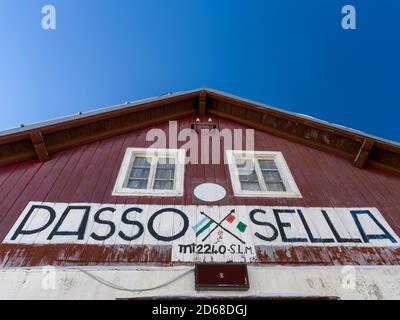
[39, 145]
[202, 102]
[42, 140]
[363, 153]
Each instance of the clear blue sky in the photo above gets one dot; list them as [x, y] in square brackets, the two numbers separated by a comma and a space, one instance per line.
[287, 53]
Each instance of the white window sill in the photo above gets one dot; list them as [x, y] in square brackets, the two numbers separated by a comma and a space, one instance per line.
[245, 194]
[142, 193]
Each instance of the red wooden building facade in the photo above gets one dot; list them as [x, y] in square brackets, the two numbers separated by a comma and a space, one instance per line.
[77, 161]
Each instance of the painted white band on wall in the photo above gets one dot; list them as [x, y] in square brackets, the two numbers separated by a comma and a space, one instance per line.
[201, 233]
[377, 282]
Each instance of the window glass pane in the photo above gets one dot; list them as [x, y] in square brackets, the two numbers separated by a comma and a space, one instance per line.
[166, 163]
[267, 164]
[272, 176]
[248, 186]
[247, 170]
[163, 184]
[140, 173]
[165, 174]
[251, 177]
[244, 164]
[275, 186]
[141, 162]
[137, 184]
[247, 175]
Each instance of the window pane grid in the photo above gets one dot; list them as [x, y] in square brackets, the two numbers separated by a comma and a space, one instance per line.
[139, 176]
[261, 175]
[271, 175]
[152, 173]
[165, 174]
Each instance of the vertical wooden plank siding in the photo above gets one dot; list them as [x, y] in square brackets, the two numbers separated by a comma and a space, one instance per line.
[87, 174]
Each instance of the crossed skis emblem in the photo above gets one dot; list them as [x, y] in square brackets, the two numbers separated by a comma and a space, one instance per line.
[207, 222]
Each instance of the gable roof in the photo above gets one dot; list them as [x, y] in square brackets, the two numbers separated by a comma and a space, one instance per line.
[40, 140]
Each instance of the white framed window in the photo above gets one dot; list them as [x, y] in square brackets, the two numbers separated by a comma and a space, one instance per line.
[261, 174]
[152, 172]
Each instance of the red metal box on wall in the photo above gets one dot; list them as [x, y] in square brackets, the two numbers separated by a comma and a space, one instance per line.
[222, 277]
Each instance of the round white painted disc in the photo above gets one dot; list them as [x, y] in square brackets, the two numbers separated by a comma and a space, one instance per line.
[210, 192]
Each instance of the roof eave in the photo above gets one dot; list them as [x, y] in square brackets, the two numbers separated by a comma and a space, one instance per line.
[39, 140]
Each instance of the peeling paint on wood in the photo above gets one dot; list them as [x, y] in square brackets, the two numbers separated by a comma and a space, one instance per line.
[85, 175]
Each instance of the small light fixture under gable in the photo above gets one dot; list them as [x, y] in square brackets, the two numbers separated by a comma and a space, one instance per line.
[199, 125]
[261, 174]
[151, 172]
